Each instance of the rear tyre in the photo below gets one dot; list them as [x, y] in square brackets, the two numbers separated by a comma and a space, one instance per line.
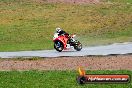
[78, 46]
[58, 46]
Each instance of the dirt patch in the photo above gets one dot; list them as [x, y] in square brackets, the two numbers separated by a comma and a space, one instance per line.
[119, 62]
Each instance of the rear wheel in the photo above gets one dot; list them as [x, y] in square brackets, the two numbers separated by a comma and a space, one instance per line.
[78, 46]
[58, 46]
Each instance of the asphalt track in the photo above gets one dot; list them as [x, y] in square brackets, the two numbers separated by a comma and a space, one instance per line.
[116, 48]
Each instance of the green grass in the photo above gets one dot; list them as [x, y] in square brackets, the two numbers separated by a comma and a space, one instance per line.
[29, 25]
[53, 79]
[107, 38]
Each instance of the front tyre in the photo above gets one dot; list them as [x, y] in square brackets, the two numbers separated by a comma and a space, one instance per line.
[58, 46]
[78, 46]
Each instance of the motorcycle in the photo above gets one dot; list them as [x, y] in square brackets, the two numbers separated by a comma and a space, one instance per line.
[62, 42]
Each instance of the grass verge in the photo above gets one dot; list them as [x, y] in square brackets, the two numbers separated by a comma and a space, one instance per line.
[53, 79]
[29, 25]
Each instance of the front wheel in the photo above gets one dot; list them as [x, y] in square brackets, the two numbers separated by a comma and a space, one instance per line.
[58, 46]
[78, 46]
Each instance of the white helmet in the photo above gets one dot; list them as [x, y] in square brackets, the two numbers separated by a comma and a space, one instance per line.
[58, 29]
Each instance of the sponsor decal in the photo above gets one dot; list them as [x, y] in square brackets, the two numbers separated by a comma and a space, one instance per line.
[101, 78]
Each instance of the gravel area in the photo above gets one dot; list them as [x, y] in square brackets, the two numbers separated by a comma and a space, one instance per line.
[116, 62]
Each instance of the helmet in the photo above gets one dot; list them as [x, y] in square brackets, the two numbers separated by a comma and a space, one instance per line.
[58, 29]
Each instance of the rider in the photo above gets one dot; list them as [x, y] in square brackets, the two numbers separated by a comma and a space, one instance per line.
[62, 32]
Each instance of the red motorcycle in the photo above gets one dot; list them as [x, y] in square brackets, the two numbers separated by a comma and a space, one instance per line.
[62, 42]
